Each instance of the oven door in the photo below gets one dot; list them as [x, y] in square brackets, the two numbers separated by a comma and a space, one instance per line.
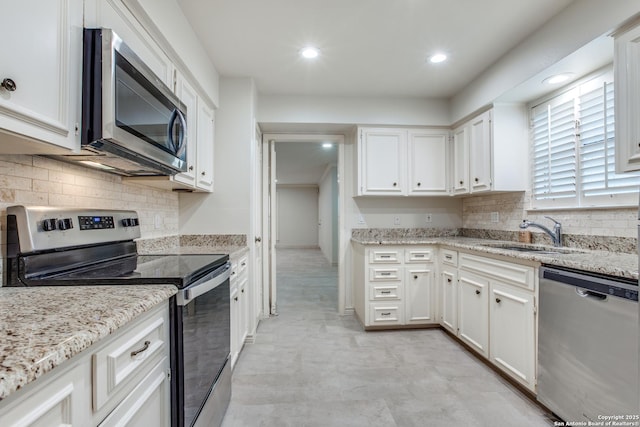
[202, 344]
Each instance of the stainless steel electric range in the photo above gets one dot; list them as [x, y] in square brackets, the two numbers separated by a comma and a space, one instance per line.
[72, 247]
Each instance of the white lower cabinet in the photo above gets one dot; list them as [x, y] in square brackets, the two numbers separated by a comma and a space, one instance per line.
[122, 380]
[473, 320]
[497, 314]
[240, 306]
[512, 331]
[394, 285]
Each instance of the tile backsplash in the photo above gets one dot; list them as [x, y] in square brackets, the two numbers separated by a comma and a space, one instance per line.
[616, 222]
[40, 181]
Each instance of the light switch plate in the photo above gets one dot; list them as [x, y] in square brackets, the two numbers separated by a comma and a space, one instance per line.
[396, 220]
[428, 217]
[495, 217]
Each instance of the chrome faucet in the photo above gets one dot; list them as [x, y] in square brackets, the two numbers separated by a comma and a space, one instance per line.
[556, 234]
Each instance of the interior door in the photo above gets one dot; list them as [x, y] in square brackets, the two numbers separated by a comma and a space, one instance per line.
[269, 225]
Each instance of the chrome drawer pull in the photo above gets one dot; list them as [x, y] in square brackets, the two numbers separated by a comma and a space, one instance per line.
[477, 292]
[385, 292]
[144, 348]
[385, 273]
[385, 314]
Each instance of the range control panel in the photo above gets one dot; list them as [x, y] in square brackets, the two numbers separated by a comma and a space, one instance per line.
[42, 228]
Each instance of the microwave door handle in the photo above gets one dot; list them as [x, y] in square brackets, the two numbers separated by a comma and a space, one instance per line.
[170, 125]
[182, 144]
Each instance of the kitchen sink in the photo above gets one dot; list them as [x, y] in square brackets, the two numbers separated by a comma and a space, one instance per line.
[532, 248]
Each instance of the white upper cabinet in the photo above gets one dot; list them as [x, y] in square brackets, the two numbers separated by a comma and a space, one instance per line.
[189, 98]
[115, 15]
[460, 160]
[40, 74]
[490, 152]
[627, 99]
[480, 151]
[204, 150]
[428, 168]
[401, 162]
[382, 157]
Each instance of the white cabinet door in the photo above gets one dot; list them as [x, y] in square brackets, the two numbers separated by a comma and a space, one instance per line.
[627, 100]
[41, 68]
[512, 332]
[382, 154]
[235, 324]
[428, 161]
[204, 162]
[480, 149]
[473, 315]
[449, 300]
[419, 294]
[461, 160]
[189, 97]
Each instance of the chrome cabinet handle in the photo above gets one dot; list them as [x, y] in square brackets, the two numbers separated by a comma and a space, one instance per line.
[419, 184]
[385, 314]
[477, 292]
[498, 300]
[415, 276]
[477, 179]
[145, 347]
[385, 292]
[203, 173]
[190, 168]
[395, 184]
[9, 85]
[461, 182]
[449, 280]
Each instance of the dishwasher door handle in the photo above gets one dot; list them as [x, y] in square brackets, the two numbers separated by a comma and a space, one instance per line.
[584, 293]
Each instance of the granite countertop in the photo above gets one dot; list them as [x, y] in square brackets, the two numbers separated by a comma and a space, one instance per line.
[41, 327]
[603, 262]
[233, 251]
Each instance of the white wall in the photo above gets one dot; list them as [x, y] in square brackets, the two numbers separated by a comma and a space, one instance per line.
[297, 214]
[328, 215]
[227, 209]
[580, 23]
[353, 110]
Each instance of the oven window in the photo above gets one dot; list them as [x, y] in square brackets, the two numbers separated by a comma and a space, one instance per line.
[142, 110]
[206, 345]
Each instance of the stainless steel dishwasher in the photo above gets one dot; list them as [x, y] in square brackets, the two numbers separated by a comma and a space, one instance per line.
[587, 345]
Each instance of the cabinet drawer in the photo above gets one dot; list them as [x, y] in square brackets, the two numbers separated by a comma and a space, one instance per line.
[384, 292]
[384, 256]
[151, 392]
[385, 314]
[378, 274]
[418, 255]
[118, 367]
[450, 257]
[515, 274]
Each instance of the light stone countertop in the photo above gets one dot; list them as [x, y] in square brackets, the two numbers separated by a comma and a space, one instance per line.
[41, 327]
[603, 262]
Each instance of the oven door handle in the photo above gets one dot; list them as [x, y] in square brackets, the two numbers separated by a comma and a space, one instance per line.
[204, 285]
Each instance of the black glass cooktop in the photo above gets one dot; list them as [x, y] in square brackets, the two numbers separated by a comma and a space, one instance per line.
[179, 270]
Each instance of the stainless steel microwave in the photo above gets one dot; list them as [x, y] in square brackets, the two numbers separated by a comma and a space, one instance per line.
[132, 123]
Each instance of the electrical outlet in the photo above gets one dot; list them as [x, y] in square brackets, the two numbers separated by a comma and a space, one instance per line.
[495, 217]
[360, 219]
[429, 218]
[396, 220]
[157, 222]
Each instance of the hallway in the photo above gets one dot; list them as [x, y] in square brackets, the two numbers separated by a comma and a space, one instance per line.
[311, 367]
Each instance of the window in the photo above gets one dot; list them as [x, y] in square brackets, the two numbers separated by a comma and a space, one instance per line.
[573, 157]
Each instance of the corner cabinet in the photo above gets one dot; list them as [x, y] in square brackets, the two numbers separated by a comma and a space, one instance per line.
[39, 76]
[402, 162]
[626, 66]
[490, 151]
[394, 286]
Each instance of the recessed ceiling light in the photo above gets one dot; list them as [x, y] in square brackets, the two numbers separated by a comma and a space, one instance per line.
[557, 78]
[327, 145]
[437, 58]
[310, 52]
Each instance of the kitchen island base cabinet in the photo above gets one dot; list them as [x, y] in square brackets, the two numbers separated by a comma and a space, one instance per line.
[394, 286]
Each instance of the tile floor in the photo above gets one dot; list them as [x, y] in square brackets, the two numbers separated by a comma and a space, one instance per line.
[310, 366]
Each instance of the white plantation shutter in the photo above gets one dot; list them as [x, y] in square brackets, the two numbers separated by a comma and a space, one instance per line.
[554, 150]
[573, 150]
[597, 140]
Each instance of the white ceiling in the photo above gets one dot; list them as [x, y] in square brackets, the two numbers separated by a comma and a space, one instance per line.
[303, 162]
[368, 47]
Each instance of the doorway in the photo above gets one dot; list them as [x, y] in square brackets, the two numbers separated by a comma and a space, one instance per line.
[303, 176]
